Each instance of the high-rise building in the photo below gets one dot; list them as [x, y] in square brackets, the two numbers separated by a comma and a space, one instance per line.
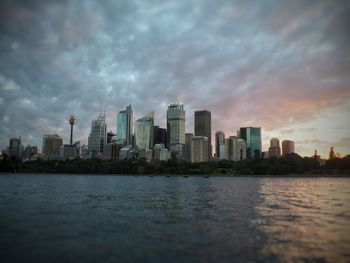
[98, 135]
[219, 140]
[188, 141]
[202, 126]
[287, 147]
[125, 126]
[252, 136]
[275, 149]
[235, 149]
[199, 149]
[176, 129]
[144, 132]
[160, 136]
[15, 148]
[51, 146]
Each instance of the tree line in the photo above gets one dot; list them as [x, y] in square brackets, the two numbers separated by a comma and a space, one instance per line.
[292, 164]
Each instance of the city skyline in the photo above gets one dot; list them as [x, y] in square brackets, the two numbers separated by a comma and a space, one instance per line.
[277, 65]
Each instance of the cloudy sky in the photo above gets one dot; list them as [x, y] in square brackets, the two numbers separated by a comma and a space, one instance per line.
[281, 65]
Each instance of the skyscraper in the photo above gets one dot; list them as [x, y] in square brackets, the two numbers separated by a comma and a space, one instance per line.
[15, 148]
[252, 136]
[287, 147]
[98, 135]
[160, 136]
[51, 145]
[202, 126]
[219, 140]
[144, 132]
[235, 149]
[199, 149]
[275, 149]
[125, 126]
[176, 129]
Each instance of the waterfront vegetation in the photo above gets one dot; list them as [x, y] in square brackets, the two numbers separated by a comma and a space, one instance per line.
[292, 164]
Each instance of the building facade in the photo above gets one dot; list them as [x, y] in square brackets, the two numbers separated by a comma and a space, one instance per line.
[15, 148]
[202, 127]
[176, 129]
[274, 149]
[252, 136]
[160, 136]
[51, 146]
[219, 140]
[125, 126]
[98, 135]
[199, 149]
[144, 132]
[287, 147]
[188, 140]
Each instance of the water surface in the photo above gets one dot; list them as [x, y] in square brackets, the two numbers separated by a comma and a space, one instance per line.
[72, 218]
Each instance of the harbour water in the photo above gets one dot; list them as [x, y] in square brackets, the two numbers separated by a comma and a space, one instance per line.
[80, 218]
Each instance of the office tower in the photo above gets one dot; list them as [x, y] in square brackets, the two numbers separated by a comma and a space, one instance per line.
[219, 140]
[15, 148]
[176, 129]
[144, 132]
[98, 135]
[235, 149]
[252, 136]
[51, 146]
[199, 149]
[275, 149]
[287, 147]
[202, 126]
[188, 140]
[160, 136]
[125, 126]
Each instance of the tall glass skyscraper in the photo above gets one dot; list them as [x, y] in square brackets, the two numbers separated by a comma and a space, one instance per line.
[252, 136]
[98, 135]
[144, 132]
[125, 126]
[176, 129]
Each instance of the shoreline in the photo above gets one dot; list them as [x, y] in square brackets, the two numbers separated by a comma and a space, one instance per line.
[185, 175]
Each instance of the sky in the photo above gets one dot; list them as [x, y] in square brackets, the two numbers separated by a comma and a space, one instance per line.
[280, 65]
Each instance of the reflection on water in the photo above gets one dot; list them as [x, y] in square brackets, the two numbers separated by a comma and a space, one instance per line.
[55, 218]
[305, 219]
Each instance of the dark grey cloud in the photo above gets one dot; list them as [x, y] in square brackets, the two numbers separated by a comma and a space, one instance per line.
[240, 59]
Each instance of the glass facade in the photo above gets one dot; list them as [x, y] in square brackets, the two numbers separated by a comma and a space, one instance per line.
[144, 133]
[252, 136]
[125, 125]
[121, 125]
